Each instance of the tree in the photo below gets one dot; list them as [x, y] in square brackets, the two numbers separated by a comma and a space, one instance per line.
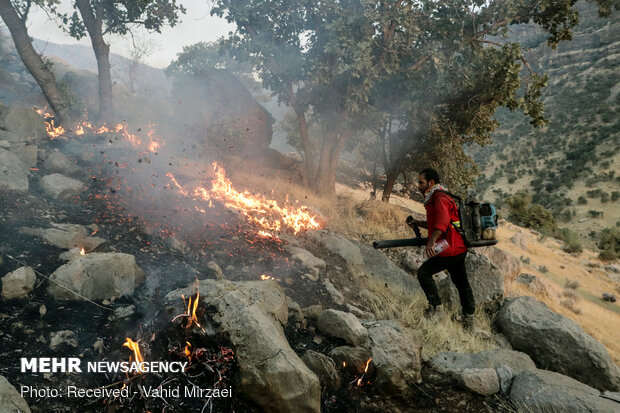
[427, 76]
[15, 14]
[101, 17]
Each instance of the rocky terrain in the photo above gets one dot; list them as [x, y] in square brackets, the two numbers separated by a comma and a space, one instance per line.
[101, 248]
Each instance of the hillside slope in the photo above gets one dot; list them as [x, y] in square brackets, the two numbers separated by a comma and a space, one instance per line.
[572, 166]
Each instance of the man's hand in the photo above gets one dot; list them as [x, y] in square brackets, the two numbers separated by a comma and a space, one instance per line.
[430, 248]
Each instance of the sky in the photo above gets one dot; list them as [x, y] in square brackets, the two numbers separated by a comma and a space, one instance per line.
[196, 25]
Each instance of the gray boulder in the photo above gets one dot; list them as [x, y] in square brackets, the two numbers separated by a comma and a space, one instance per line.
[352, 359]
[481, 381]
[96, 276]
[449, 362]
[546, 391]
[508, 264]
[396, 356]
[557, 343]
[19, 283]
[24, 122]
[379, 268]
[342, 325]
[486, 280]
[67, 236]
[252, 315]
[338, 245]
[58, 162]
[10, 399]
[27, 152]
[312, 312]
[325, 369]
[335, 295]
[13, 173]
[59, 186]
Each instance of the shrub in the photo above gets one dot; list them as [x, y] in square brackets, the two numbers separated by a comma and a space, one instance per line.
[531, 216]
[615, 195]
[571, 239]
[571, 284]
[595, 214]
[582, 200]
[609, 244]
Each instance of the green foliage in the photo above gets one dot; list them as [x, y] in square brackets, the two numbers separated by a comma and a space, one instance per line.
[529, 215]
[615, 195]
[582, 200]
[595, 214]
[609, 243]
[424, 77]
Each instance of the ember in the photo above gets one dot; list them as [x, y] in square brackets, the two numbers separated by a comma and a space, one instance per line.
[266, 277]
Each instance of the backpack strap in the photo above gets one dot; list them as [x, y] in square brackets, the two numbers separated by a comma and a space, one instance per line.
[457, 201]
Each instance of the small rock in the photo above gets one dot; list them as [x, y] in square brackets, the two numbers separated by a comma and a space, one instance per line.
[519, 241]
[336, 295]
[342, 325]
[124, 312]
[609, 297]
[324, 367]
[313, 312]
[63, 337]
[217, 271]
[481, 381]
[352, 359]
[19, 283]
[58, 162]
[505, 375]
[355, 311]
[294, 311]
[59, 186]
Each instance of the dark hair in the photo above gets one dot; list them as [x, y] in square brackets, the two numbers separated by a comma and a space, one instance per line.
[430, 174]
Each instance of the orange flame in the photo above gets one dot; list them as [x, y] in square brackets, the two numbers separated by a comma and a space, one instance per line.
[135, 348]
[187, 351]
[52, 130]
[257, 209]
[82, 252]
[266, 277]
[359, 381]
[191, 311]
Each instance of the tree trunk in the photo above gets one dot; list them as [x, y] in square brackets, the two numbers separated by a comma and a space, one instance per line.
[40, 72]
[94, 26]
[389, 184]
[333, 143]
[305, 141]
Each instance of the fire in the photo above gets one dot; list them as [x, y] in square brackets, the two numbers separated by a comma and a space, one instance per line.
[266, 277]
[359, 381]
[82, 252]
[188, 350]
[257, 209]
[54, 131]
[191, 310]
[135, 348]
[81, 128]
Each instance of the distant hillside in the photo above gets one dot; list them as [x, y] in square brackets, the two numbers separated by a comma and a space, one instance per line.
[571, 167]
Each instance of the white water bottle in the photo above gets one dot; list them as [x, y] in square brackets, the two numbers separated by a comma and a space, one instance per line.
[441, 246]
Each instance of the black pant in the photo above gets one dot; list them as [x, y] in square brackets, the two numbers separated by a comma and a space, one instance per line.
[456, 267]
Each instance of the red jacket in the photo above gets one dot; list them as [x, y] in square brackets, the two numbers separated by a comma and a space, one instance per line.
[441, 210]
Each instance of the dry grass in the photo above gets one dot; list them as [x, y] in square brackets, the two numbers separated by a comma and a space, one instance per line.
[572, 284]
[445, 335]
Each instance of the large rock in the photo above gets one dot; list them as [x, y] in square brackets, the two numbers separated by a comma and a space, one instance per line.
[557, 343]
[508, 264]
[252, 315]
[449, 362]
[342, 325]
[338, 245]
[396, 356]
[19, 283]
[10, 399]
[486, 281]
[67, 236]
[13, 173]
[505, 363]
[546, 391]
[59, 186]
[58, 162]
[382, 270]
[24, 122]
[27, 152]
[96, 276]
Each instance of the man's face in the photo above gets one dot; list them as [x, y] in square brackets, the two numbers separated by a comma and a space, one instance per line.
[423, 184]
